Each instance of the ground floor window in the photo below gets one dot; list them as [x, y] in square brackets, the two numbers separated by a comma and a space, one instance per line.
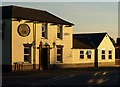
[59, 55]
[110, 54]
[89, 54]
[27, 54]
[103, 54]
[81, 54]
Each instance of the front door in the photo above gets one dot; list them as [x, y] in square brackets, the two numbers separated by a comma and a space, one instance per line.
[45, 58]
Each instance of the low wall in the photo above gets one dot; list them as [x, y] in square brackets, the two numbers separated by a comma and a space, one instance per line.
[106, 64]
[117, 61]
[56, 66]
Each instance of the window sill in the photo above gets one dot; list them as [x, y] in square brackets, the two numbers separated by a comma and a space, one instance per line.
[59, 39]
[88, 58]
[59, 62]
[27, 63]
[44, 38]
[81, 58]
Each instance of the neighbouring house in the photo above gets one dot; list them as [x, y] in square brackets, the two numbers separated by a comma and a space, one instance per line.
[83, 51]
[98, 46]
[34, 39]
[117, 52]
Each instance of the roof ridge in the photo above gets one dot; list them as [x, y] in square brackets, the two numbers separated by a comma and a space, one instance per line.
[16, 12]
[92, 33]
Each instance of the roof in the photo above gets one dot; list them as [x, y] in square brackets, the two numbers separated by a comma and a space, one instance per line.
[31, 14]
[80, 42]
[93, 40]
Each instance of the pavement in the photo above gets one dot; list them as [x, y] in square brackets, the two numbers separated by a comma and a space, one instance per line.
[64, 77]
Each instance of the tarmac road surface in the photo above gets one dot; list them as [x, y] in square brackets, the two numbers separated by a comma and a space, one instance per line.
[74, 77]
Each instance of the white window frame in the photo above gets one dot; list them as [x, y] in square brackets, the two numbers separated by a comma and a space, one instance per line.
[110, 54]
[82, 54]
[27, 54]
[103, 54]
[61, 55]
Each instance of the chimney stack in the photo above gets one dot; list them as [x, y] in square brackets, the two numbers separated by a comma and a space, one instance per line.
[118, 41]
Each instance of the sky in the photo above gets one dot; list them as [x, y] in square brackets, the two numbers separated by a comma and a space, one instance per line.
[87, 16]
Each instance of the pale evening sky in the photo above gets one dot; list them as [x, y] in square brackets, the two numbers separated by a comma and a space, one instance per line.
[87, 16]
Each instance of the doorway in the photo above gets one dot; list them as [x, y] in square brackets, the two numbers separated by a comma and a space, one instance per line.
[45, 59]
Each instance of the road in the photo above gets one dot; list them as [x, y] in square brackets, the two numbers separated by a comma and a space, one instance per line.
[73, 77]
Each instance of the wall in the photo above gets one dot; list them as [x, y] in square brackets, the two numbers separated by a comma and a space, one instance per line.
[87, 62]
[107, 44]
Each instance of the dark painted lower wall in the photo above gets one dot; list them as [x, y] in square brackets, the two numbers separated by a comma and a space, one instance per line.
[106, 64]
[117, 61]
[18, 67]
[29, 67]
[56, 66]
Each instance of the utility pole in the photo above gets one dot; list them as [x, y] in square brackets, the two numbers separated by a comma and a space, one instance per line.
[34, 45]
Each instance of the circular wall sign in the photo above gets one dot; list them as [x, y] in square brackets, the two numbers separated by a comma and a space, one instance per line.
[23, 30]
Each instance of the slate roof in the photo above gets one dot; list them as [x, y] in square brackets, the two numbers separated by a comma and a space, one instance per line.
[90, 40]
[31, 14]
[80, 42]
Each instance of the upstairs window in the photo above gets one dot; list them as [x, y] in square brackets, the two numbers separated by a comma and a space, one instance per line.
[44, 30]
[81, 54]
[59, 31]
[103, 54]
[110, 54]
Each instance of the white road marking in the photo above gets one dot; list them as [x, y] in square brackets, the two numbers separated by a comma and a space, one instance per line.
[102, 81]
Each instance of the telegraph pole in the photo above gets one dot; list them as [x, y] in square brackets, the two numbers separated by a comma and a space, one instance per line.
[34, 45]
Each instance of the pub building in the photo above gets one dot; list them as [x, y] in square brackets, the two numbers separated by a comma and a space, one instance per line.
[34, 39]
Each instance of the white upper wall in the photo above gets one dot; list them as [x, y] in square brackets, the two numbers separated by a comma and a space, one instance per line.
[18, 41]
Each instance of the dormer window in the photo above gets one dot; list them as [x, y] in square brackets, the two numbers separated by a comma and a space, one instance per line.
[44, 30]
[59, 31]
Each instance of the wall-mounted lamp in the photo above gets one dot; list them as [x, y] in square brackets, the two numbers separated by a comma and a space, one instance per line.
[53, 44]
[40, 42]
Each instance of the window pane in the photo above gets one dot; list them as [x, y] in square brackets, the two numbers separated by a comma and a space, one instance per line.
[89, 56]
[43, 34]
[58, 35]
[58, 29]
[103, 56]
[59, 51]
[26, 51]
[59, 32]
[81, 52]
[110, 56]
[103, 51]
[110, 52]
[88, 52]
[59, 58]
[44, 30]
[27, 58]
[82, 56]
[59, 54]
[27, 54]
